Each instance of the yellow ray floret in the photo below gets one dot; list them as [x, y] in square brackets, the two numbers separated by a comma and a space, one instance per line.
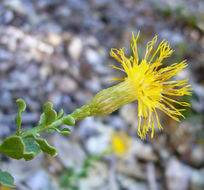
[148, 83]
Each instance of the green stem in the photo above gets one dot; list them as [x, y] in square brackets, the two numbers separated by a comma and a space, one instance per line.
[40, 128]
[68, 120]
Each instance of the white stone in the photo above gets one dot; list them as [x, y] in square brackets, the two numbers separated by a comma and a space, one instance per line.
[75, 48]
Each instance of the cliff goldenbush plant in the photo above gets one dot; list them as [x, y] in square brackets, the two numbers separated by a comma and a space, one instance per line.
[146, 81]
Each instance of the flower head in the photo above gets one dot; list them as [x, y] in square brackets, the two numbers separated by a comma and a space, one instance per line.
[147, 82]
[120, 143]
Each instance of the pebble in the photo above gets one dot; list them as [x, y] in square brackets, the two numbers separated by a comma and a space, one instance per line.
[93, 57]
[5, 129]
[41, 180]
[16, 5]
[118, 123]
[98, 144]
[93, 85]
[54, 39]
[177, 175]
[75, 48]
[131, 184]
[129, 113]
[143, 151]
[97, 177]
[67, 85]
[197, 182]
[22, 170]
[6, 99]
[197, 155]
[8, 16]
[70, 153]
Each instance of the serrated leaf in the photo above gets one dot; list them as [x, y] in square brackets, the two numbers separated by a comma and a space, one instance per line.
[50, 113]
[45, 147]
[13, 147]
[21, 108]
[31, 149]
[64, 131]
[6, 179]
[68, 120]
[60, 114]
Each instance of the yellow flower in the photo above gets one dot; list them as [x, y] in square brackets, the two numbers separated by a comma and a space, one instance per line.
[5, 188]
[120, 143]
[147, 82]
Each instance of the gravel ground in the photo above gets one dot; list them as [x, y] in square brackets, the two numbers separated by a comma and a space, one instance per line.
[58, 51]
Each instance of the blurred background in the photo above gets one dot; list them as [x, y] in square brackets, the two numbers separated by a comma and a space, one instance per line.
[58, 51]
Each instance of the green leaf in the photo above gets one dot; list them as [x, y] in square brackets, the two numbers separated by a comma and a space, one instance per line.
[64, 131]
[21, 108]
[6, 179]
[31, 149]
[13, 147]
[60, 114]
[42, 119]
[68, 120]
[21, 105]
[45, 147]
[50, 113]
[28, 156]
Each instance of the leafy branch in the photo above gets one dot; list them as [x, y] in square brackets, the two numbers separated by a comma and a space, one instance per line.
[27, 144]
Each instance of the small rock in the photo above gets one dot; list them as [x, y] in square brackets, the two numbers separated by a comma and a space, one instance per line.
[67, 85]
[28, 118]
[201, 25]
[21, 169]
[87, 127]
[143, 151]
[92, 144]
[16, 5]
[172, 36]
[63, 12]
[100, 3]
[117, 123]
[70, 154]
[129, 113]
[5, 129]
[6, 99]
[131, 184]
[56, 98]
[177, 175]
[60, 64]
[93, 57]
[97, 177]
[41, 180]
[75, 48]
[132, 169]
[93, 85]
[54, 39]
[8, 16]
[197, 182]
[32, 104]
[194, 34]
[197, 155]
[5, 56]
[90, 127]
